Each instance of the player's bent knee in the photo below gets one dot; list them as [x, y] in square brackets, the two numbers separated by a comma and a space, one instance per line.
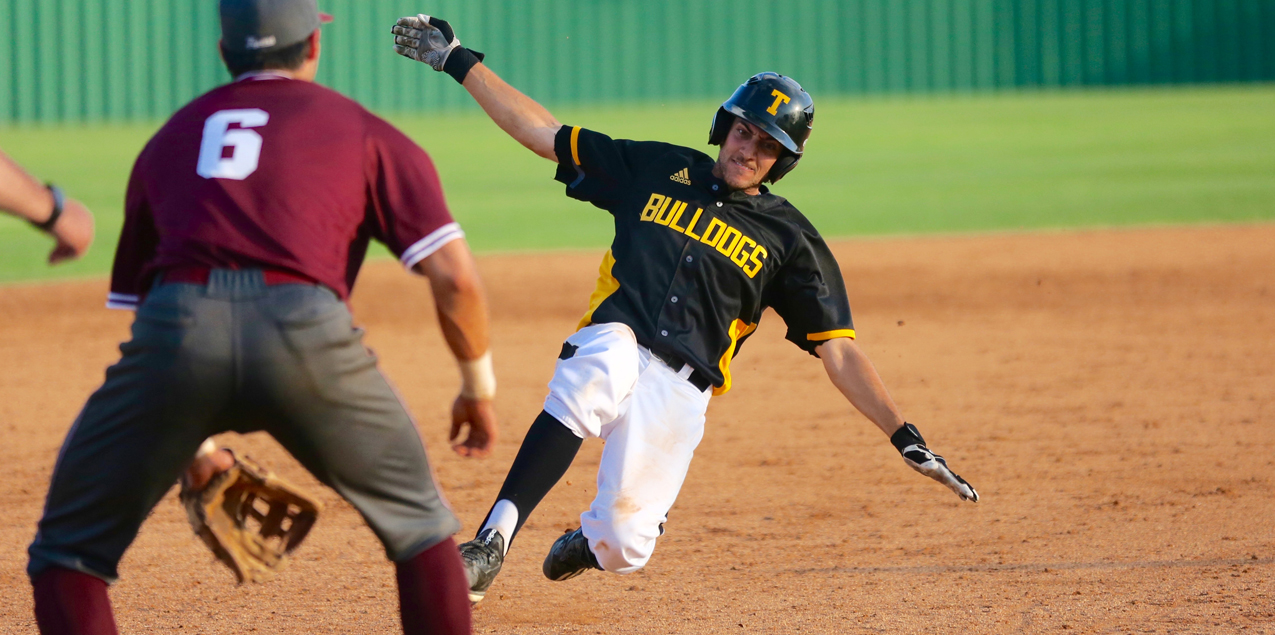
[566, 414]
[617, 558]
[405, 548]
[621, 547]
[44, 559]
[405, 538]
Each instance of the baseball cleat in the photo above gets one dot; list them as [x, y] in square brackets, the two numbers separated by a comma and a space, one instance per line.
[482, 558]
[570, 556]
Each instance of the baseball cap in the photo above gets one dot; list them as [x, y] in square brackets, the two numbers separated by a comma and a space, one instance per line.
[262, 26]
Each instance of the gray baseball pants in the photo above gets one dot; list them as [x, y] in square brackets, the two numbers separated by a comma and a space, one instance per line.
[236, 355]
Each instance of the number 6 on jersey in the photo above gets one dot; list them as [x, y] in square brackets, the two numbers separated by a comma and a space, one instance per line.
[245, 144]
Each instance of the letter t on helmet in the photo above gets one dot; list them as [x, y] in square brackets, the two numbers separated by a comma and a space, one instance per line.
[776, 104]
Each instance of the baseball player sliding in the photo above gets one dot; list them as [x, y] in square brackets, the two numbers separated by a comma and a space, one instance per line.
[701, 248]
[247, 218]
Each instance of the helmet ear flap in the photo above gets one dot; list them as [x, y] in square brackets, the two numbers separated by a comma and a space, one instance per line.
[783, 165]
[720, 128]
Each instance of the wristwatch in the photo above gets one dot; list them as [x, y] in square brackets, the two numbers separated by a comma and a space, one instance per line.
[59, 200]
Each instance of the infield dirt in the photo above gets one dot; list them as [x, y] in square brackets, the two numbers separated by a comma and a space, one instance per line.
[1110, 393]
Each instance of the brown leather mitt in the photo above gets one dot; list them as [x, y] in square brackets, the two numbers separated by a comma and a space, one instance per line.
[250, 518]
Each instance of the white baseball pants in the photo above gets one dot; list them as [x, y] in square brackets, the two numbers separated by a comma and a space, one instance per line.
[651, 418]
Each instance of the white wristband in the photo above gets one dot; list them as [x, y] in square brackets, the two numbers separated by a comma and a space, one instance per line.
[477, 379]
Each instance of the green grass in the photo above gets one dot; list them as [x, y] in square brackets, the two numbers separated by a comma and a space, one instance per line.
[873, 166]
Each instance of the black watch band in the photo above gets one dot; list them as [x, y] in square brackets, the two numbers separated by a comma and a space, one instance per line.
[59, 202]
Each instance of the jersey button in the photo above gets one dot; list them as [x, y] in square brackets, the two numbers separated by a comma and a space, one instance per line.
[714, 188]
[673, 299]
[664, 333]
[719, 203]
[689, 259]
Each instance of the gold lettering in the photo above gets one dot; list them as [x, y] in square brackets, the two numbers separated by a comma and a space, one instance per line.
[653, 206]
[694, 219]
[779, 98]
[754, 262]
[721, 229]
[677, 213]
[662, 218]
[740, 255]
[732, 241]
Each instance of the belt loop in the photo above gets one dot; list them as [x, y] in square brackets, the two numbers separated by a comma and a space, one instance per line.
[216, 284]
[237, 284]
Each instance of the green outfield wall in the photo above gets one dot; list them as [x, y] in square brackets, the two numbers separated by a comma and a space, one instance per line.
[131, 60]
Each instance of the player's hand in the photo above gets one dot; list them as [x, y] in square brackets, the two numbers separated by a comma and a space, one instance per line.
[73, 231]
[480, 417]
[425, 39]
[918, 457]
[206, 466]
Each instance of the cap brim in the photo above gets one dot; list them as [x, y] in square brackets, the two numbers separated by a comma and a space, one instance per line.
[768, 127]
[325, 18]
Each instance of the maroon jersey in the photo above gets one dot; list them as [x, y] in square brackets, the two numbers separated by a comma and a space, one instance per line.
[268, 172]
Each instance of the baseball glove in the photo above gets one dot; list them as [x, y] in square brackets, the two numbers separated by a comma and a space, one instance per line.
[250, 518]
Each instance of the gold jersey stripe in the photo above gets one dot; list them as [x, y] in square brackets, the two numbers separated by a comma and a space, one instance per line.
[607, 284]
[738, 330]
[827, 335]
[575, 144]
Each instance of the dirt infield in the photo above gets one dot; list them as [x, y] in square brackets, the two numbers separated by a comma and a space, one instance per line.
[1111, 394]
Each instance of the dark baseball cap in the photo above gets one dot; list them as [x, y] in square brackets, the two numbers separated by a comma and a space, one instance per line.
[262, 26]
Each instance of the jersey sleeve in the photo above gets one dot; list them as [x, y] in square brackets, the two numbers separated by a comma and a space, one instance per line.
[597, 168]
[406, 207]
[810, 295]
[138, 241]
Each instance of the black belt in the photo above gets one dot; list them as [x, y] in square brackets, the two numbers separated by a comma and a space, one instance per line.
[675, 362]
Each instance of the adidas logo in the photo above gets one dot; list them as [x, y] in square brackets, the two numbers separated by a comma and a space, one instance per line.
[683, 176]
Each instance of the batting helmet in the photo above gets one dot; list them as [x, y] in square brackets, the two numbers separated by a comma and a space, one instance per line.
[776, 104]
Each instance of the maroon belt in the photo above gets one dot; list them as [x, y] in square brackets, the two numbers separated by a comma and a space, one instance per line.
[200, 275]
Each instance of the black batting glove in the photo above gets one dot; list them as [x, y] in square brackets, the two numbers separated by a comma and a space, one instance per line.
[432, 41]
[918, 457]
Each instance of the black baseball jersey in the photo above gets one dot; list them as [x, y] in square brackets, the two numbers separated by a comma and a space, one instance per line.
[693, 265]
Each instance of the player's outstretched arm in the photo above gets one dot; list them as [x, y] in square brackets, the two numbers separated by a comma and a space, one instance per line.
[67, 220]
[853, 374]
[431, 41]
[462, 316]
[518, 115]
[856, 378]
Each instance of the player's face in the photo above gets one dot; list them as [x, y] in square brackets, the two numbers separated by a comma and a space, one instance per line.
[746, 156]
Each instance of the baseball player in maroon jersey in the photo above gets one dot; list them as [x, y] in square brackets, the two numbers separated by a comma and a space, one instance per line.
[67, 220]
[247, 219]
[702, 247]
